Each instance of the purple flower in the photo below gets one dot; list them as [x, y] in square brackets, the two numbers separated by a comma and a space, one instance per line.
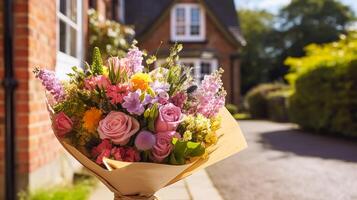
[134, 60]
[145, 140]
[133, 104]
[51, 83]
[158, 86]
[179, 99]
[210, 95]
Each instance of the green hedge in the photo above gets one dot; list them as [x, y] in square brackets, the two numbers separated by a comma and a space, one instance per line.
[277, 105]
[325, 100]
[256, 99]
[325, 87]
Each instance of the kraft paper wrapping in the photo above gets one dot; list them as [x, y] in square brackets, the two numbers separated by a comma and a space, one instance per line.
[145, 179]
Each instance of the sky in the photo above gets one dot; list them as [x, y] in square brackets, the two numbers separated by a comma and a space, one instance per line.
[274, 5]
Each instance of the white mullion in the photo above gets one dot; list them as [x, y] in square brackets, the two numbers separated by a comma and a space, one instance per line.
[67, 20]
[187, 20]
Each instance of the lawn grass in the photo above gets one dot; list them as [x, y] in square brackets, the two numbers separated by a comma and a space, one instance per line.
[81, 190]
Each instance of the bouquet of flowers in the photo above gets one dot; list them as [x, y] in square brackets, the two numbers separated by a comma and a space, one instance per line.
[139, 128]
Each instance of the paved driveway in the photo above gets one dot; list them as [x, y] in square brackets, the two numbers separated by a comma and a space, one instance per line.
[284, 163]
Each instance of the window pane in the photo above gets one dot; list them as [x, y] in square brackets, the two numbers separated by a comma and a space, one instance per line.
[180, 21]
[195, 21]
[180, 30]
[195, 30]
[205, 69]
[73, 10]
[195, 16]
[180, 15]
[73, 43]
[69, 9]
[62, 38]
[63, 5]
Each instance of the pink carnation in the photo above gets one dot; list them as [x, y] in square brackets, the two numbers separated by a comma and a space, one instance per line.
[101, 151]
[93, 82]
[116, 93]
[127, 154]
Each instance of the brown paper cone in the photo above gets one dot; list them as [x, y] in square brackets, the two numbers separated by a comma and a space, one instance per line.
[145, 179]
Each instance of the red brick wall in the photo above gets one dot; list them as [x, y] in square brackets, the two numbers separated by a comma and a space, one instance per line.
[215, 40]
[34, 45]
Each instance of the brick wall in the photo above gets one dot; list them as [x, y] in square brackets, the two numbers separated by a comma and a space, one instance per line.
[34, 45]
[214, 40]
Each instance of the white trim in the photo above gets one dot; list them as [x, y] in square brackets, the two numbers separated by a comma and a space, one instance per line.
[65, 62]
[197, 64]
[187, 36]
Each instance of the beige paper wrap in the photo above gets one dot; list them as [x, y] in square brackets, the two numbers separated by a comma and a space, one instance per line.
[145, 179]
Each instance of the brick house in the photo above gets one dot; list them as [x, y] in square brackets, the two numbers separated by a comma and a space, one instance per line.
[208, 29]
[52, 34]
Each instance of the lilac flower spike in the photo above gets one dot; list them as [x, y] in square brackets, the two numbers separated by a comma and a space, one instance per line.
[133, 104]
[51, 83]
[135, 59]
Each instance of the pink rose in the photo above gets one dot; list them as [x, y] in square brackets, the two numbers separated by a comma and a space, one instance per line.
[169, 118]
[104, 145]
[63, 124]
[101, 81]
[127, 154]
[118, 127]
[163, 146]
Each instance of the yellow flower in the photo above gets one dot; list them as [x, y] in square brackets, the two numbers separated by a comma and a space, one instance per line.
[140, 81]
[211, 138]
[91, 119]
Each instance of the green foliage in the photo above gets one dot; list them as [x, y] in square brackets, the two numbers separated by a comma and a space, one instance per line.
[277, 104]
[79, 191]
[112, 38]
[233, 109]
[325, 85]
[313, 21]
[256, 99]
[257, 61]
[272, 39]
[242, 116]
[150, 116]
[97, 62]
[184, 150]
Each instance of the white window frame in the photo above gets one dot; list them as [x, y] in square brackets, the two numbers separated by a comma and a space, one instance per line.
[65, 62]
[187, 36]
[196, 65]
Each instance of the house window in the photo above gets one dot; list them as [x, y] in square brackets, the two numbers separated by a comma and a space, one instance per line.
[69, 37]
[187, 22]
[200, 67]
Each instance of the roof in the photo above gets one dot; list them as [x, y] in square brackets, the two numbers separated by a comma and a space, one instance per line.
[144, 13]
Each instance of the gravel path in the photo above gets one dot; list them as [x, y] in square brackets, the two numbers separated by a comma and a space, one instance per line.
[284, 163]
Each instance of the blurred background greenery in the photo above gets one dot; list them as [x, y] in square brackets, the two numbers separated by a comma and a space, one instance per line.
[300, 65]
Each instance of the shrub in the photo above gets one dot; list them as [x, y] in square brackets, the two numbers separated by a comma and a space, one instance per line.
[233, 109]
[277, 104]
[112, 38]
[325, 87]
[256, 99]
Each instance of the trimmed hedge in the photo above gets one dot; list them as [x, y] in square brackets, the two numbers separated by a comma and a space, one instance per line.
[256, 99]
[277, 104]
[233, 109]
[325, 100]
[325, 87]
